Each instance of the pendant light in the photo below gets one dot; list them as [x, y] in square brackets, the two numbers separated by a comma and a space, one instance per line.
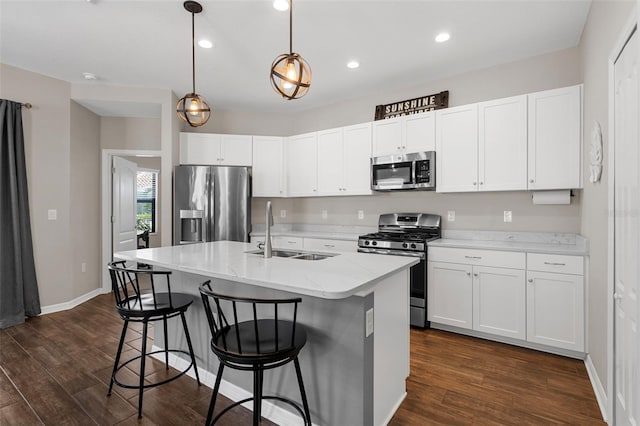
[192, 108]
[290, 73]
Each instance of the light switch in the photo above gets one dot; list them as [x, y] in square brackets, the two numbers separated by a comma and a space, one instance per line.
[360, 214]
[52, 214]
[324, 214]
[369, 325]
[507, 216]
[283, 213]
[451, 216]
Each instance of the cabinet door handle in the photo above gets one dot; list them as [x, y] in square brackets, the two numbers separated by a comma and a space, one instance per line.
[555, 264]
[531, 181]
[475, 275]
[474, 184]
[481, 183]
[398, 148]
[329, 245]
[291, 242]
[473, 257]
[468, 274]
[530, 280]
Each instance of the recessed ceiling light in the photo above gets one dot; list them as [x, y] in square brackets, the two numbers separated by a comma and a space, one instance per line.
[353, 64]
[281, 5]
[442, 37]
[89, 76]
[205, 44]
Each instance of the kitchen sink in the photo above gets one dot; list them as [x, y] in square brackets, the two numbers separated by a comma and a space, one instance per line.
[303, 255]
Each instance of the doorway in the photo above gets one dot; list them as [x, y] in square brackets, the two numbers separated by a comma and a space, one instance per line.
[107, 192]
[624, 231]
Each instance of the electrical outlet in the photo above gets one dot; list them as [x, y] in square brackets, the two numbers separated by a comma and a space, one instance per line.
[283, 213]
[508, 216]
[360, 214]
[451, 216]
[52, 214]
[83, 266]
[324, 214]
[369, 323]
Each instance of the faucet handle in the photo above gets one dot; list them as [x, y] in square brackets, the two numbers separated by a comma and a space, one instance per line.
[261, 245]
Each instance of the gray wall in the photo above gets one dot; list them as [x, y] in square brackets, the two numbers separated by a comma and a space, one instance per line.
[85, 199]
[130, 133]
[604, 25]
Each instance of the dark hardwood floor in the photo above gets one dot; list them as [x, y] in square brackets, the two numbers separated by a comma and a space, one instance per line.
[55, 370]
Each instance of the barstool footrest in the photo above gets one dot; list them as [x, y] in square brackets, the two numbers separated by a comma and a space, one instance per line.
[151, 385]
[277, 398]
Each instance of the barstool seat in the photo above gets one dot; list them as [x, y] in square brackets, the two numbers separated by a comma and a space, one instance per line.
[254, 344]
[135, 306]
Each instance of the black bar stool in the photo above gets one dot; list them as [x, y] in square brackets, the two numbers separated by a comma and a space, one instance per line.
[136, 306]
[254, 345]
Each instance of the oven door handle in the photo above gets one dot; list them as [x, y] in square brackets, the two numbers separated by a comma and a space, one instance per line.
[420, 255]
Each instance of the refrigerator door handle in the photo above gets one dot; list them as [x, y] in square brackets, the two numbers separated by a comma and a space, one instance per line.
[211, 215]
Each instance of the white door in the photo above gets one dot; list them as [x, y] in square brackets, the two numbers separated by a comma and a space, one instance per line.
[450, 294]
[124, 205]
[357, 154]
[626, 238]
[330, 162]
[268, 166]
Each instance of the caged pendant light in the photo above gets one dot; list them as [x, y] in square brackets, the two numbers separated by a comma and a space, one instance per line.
[192, 108]
[290, 73]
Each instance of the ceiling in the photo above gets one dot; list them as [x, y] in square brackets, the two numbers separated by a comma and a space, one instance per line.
[147, 43]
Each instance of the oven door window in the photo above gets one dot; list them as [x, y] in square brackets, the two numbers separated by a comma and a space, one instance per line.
[392, 175]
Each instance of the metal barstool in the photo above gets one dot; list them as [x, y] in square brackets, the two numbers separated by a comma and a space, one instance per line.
[254, 345]
[135, 306]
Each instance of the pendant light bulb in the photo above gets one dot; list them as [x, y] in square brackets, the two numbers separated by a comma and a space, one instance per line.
[192, 108]
[291, 71]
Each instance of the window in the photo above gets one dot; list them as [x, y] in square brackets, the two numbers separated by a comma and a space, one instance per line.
[146, 198]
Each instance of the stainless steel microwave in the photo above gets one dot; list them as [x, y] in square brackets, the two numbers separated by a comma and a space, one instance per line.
[401, 172]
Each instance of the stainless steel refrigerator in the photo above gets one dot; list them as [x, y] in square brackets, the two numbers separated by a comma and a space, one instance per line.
[211, 203]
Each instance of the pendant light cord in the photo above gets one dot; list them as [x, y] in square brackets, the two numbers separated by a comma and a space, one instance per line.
[193, 52]
[290, 26]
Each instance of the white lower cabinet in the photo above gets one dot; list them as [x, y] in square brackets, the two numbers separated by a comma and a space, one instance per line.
[499, 300]
[287, 242]
[555, 306]
[322, 244]
[491, 292]
[449, 294]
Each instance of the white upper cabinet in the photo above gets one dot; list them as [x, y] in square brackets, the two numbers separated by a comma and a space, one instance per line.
[215, 149]
[301, 165]
[268, 166]
[555, 139]
[406, 134]
[344, 158]
[457, 149]
[502, 144]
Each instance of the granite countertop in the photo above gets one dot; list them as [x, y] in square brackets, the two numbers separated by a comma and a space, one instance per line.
[530, 242]
[338, 277]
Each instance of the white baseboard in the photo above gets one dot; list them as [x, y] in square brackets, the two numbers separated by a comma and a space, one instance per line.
[72, 303]
[235, 393]
[394, 410]
[598, 389]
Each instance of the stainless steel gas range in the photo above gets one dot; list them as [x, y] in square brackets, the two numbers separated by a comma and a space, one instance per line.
[406, 234]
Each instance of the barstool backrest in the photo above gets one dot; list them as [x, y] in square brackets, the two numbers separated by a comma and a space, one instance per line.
[250, 326]
[125, 283]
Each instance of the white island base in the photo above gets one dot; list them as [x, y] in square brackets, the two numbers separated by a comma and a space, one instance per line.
[356, 359]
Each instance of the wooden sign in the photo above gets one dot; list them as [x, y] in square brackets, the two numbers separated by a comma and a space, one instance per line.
[413, 106]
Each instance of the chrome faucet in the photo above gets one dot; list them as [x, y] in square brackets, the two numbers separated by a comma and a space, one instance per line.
[268, 224]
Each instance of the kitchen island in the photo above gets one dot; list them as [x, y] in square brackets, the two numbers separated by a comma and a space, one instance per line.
[355, 307]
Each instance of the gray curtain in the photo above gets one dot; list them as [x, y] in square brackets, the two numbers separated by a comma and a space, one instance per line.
[18, 286]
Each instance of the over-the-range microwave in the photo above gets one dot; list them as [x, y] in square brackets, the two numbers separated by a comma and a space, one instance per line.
[401, 172]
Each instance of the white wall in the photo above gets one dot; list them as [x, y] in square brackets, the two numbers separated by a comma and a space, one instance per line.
[604, 25]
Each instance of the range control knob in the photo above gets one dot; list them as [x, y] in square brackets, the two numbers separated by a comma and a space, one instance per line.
[413, 246]
[366, 243]
[375, 243]
[404, 245]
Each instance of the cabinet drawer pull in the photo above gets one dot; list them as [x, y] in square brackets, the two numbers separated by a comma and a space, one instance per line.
[531, 181]
[329, 245]
[530, 280]
[473, 257]
[555, 264]
[475, 275]
[468, 274]
[291, 242]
